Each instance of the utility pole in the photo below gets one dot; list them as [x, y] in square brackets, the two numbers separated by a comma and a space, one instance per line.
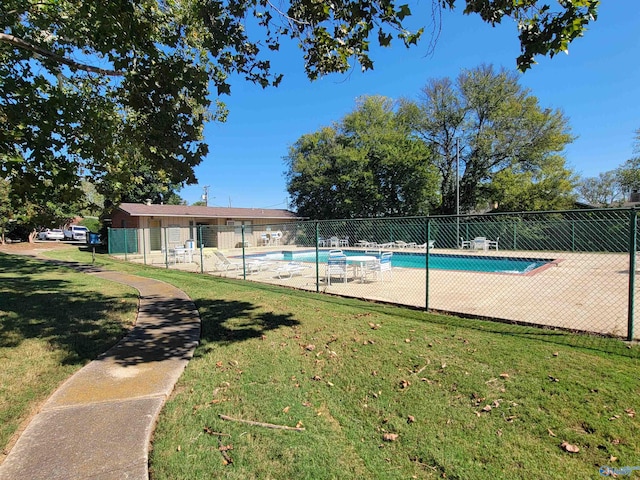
[457, 190]
[205, 196]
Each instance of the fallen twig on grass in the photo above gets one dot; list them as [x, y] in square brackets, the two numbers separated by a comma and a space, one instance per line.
[261, 424]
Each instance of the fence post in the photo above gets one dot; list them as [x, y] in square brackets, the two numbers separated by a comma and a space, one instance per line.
[317, 230]
[166, 249]
[244, 260]
[426, 267]
[633, 234]
[515, 237]
[144, 247]
[126, 245]
[201, 249]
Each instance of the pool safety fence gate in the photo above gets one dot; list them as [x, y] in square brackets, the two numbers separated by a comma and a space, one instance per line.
[573, 270]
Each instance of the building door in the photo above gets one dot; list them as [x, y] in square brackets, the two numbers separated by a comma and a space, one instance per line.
[206, 235]
[155, 235]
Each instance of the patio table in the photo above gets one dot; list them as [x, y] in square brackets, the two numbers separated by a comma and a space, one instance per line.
[359, 262]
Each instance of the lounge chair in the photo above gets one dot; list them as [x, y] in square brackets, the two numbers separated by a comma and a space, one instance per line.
[432, 244]
[290, 269]
[250, 266]
[362, 243]
[402, 244]
[224, 264]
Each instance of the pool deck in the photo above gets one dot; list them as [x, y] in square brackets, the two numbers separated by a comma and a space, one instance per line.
[578, 291]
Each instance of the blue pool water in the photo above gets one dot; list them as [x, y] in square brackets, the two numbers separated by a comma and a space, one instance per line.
[470, 263]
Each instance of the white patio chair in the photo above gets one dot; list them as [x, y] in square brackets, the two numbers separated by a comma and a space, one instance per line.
[493, 244]
[479, 243]
[380, 266]
[465, 243]
[336, 266]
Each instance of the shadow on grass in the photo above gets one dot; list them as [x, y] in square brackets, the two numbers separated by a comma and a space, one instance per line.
[54, 310]
[224, 322]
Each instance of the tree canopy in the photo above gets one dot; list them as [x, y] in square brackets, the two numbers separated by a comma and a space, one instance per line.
[489, 124]
[366, 165]
[609, 188]
[94, 89]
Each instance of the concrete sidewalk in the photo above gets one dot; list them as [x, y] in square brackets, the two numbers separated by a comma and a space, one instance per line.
[99, 423]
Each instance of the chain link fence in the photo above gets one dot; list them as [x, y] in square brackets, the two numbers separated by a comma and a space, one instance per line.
[573, 270]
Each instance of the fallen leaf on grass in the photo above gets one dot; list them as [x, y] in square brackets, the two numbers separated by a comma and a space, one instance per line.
[374, 326]
[411, 419]
[631, 412]
[179, 448]
[613, 459]
[286, 409]
[569, 448]
[225, 448]
[504, 375]
[310, 347]
[404, 384]
[615, 417]
[554, 379]
[390, 437]
[486, 408]
[551, 434]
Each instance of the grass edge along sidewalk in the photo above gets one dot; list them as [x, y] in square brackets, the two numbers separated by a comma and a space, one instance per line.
[53, 321]
[354, 373]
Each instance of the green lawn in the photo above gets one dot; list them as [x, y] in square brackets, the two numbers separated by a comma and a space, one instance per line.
[52, 322]
[386, 392]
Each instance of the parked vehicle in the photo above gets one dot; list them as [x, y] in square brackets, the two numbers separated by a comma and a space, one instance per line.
[51, 234]
[76, 232]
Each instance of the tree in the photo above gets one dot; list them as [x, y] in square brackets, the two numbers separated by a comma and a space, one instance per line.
[90, 87]
[545, 188]
[628, 174]
[366, 165]
[604, 190]
[497, 124]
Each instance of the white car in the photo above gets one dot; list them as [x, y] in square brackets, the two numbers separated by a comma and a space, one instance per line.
[51, 234]
[76, 232]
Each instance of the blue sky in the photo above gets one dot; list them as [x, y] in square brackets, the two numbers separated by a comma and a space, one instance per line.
[597, 86]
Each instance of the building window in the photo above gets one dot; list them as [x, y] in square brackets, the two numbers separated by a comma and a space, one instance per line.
[248, 227]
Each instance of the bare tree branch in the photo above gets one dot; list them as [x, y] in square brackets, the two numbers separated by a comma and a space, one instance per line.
[17, 42]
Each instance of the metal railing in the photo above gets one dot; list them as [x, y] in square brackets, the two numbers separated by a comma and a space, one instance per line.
[573, 270]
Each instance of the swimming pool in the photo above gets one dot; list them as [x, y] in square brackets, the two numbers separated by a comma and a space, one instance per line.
[438, 261]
